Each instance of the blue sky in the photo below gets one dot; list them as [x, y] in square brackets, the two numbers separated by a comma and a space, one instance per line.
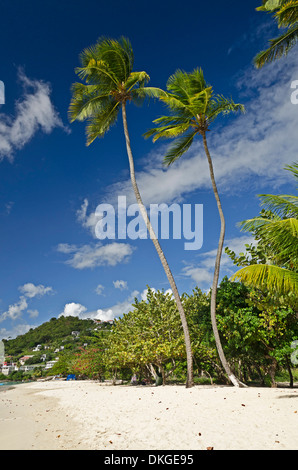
[51, 183]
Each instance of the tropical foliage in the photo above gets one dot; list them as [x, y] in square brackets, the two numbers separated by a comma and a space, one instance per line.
[285, 13]
[148, 341]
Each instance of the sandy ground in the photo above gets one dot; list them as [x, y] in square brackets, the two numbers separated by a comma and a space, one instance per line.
[70, 415]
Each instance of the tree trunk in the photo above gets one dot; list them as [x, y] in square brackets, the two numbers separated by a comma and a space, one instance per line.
[272, 372]
[222, 357]
[290, 372]
[189, 380]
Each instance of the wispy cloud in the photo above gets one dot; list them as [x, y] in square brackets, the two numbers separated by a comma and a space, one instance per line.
[34, 111]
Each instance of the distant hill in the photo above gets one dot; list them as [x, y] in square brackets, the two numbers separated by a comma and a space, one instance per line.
[53, 333]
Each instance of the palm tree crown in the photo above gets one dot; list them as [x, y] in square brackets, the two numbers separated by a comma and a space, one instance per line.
[107, 69]
[193, 106]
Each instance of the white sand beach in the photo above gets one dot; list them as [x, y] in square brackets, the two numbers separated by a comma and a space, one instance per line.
[68, 415]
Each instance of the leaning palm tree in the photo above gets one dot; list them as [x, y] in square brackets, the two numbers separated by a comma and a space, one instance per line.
[193, 107]
[276, 229]
[285, 13]
[111, 83]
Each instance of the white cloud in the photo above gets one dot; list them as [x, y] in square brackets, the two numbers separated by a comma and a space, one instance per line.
[33, 112]
[73, 309]
[120, 284]
[15, 310]
[91, 256]
[30, 290]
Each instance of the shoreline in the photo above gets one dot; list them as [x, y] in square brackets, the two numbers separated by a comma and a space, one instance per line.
[87, 415]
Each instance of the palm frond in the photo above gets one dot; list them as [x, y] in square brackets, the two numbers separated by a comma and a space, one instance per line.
[293, 169]
[118, 54]
[279, 235]
[176, 105]
[141, 93]
[254, 224]
[282, 237]
[179, 147]
[85, 101]
[287, 15]
[282, 205]
[136, 78]
[100, 124]
[221, 105]
[270, 5]
[268, 277]
[278, 48]
[167, 132]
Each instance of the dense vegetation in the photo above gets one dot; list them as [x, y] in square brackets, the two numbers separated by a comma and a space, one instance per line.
[148, 341]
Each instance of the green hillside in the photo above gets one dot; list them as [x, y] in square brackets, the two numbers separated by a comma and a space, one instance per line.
[52, 334]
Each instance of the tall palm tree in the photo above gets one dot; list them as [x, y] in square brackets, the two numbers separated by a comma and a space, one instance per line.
[193, 107]
[111, 83]
[285, 13]
[278, 233]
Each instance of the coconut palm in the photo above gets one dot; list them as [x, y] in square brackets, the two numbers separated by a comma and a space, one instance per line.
[277, 230]
[193, 107]
[110, 83]
[286, 14]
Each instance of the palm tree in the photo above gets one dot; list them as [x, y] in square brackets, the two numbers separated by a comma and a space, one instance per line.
[193, 108]
[277, 230]
[111, 83]
[286, 14]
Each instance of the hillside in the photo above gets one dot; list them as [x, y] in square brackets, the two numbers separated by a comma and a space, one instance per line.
[52, 334]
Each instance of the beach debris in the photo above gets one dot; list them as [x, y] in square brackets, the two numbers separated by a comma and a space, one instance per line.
[210, 448]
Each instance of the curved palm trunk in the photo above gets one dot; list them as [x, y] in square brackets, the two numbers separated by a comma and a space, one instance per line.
[189, 381]
[222, 357]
